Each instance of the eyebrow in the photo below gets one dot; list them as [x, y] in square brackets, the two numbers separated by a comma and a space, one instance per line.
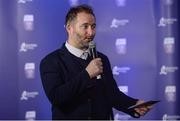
[94, 24]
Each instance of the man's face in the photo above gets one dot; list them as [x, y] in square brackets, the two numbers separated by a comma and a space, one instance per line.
[82, 30]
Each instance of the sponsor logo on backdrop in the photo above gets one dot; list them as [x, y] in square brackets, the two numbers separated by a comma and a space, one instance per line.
[28, 22]
[123, 89]
[167, 117]
[168, 69]
[168, 2]
[120, 117]
[29, 69]
[163, 22]
[169, 44]
[120, 3]
[24, 1]
[26, 95]
[27, 46]
[117, 70]
[116, 23]
[73, 2]
[170, 93]
[121, 45]
[30, 115]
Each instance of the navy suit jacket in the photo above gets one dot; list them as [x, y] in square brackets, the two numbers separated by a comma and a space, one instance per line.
[73, 94]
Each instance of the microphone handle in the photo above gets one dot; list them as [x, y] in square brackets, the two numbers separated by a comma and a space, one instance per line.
[94, 54]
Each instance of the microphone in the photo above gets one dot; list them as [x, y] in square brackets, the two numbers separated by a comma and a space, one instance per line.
[93, 53]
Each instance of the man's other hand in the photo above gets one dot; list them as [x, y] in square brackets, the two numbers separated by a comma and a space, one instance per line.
[143, 109]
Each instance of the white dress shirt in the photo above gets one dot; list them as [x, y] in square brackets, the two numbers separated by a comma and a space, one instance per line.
[77, 52]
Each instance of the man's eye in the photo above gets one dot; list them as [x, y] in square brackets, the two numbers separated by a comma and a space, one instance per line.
[93, 26]
[85, 26]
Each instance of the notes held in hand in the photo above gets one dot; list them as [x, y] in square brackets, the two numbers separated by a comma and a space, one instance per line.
[135, 114]
[148, 103]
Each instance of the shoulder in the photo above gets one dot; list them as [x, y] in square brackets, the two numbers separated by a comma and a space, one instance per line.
[54, 55]
[51, 55]
[53, 58]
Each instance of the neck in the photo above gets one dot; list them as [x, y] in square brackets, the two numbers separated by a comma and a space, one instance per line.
[72, 43]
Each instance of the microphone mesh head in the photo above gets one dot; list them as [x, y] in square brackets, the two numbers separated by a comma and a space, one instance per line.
[92, 44]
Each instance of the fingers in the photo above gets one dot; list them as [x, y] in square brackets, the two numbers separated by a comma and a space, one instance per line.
[95, 67]
[143, 110]
[98, 65]
[98, 61]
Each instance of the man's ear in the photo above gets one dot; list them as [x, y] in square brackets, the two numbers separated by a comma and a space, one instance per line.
[68, 27]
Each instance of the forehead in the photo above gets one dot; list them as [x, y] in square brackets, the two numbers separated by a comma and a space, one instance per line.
[83, 17]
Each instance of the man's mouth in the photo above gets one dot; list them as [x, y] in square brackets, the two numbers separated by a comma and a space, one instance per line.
[89, 39]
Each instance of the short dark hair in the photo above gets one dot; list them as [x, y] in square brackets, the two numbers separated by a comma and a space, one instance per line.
[73, 11]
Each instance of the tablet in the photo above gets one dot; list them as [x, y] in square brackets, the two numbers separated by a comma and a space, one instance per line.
[148, 103]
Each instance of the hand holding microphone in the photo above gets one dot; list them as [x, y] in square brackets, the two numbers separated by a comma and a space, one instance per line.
[95, 67]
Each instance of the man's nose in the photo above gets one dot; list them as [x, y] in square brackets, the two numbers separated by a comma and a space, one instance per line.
[91, 31]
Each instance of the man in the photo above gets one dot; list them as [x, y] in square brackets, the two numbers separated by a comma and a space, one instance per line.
[70, 79]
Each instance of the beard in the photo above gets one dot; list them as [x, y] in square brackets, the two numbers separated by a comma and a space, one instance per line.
[85, 46]
[83, 41]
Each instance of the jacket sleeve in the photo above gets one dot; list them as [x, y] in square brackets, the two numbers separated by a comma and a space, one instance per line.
[118, 99]
[58, 92]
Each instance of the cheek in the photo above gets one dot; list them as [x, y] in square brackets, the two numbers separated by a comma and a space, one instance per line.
[81, 34]
[78, 37]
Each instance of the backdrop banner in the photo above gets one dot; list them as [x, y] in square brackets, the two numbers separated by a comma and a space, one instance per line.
[139, 37]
